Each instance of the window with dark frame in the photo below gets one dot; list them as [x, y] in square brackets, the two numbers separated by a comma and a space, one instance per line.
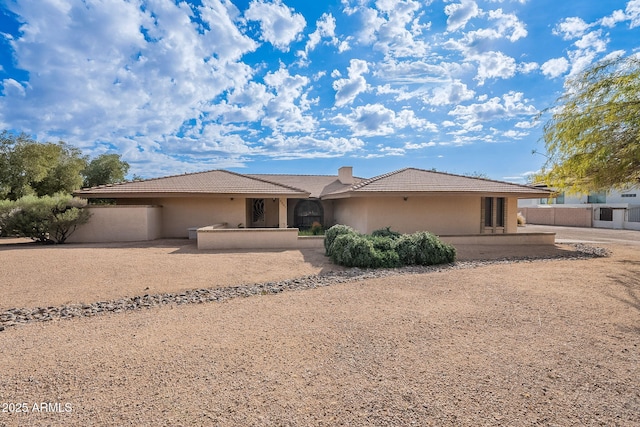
[494, 211]
[500, 212]
[488, 211]
[606, 214]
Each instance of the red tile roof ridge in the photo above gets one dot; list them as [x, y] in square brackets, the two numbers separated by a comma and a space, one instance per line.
[377, 178]
[290, 187]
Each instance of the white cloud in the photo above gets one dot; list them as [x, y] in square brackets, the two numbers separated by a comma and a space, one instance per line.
[555, 67]
[368, 120]
[285, 112]
[508, 25]
[571, 28]
[11, 88]
[494, 65]
[325, 28]
[593, 41]
[399, 33]
[453, 92]
[460, 13]
[528, 67]
[420, 146]
[525, 125]
[580, 60]
[510, 105]
[296, 147]
[633, 13]
[514, 134]
[132, 71]
[377, 120]
[613, 19]
[347, 89]
[278, 23]
[407, 118]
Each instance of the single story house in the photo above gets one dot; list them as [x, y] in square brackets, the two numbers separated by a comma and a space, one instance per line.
[406, 200]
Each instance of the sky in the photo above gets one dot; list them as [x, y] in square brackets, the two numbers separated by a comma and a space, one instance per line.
[299, 86]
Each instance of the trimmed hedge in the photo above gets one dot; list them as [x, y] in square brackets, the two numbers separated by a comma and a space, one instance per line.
[385, 248]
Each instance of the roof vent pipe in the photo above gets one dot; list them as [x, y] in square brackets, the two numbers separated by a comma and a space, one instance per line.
[345, 175]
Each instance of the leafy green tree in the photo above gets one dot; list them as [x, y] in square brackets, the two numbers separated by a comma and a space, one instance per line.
[593, 136]
[105, 169]
[30, 167]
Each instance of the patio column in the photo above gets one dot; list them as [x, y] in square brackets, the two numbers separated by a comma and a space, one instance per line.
[282, 212]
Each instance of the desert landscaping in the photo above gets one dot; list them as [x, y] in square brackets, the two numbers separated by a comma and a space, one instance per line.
[163, 334]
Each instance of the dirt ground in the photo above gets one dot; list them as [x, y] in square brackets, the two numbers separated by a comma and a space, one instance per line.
[529, 343]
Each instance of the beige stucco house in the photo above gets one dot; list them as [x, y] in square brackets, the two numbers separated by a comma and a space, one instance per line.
[406, 200]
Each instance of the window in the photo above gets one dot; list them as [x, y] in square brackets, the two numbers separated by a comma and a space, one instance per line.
[488, 212]
[606, 214]
[597, 198]
[500, 212]
[629, 195]
[560, 199]
[494, 210]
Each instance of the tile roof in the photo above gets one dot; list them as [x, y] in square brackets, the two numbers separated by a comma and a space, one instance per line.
[317, 185]
[412, 180]
[210, 182]
[403, 181]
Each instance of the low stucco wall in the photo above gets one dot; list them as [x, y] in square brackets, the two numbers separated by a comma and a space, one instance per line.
[255, 238]
[279, 238]
[569, 217]
[120, 224]
[502, 239]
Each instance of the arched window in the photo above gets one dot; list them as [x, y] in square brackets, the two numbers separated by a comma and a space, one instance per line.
[307, 212]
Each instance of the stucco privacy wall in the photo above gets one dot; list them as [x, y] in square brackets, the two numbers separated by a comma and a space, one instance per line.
[120, 224]
[181, 213]
[437, 214]
[571, 217]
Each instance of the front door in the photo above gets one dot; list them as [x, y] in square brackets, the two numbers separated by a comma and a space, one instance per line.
[257, 213]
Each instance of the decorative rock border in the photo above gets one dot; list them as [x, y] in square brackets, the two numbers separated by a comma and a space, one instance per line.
[21, 316]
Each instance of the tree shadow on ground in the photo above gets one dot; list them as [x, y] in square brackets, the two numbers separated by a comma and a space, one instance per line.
[629, 295]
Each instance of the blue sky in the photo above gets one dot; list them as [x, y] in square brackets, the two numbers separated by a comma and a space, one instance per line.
[299, 86]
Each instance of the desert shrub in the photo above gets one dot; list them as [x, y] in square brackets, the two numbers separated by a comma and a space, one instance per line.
[357, 250]
[7, 208]
[332, 233]
[386, 249]
[424, 248]
[44, 219]
[386, 232]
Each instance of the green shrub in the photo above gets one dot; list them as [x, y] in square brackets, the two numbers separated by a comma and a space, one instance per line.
[44, 219]
[386, 249]
[332, 233]
[386, 232]
[424, 248]
[357, 250]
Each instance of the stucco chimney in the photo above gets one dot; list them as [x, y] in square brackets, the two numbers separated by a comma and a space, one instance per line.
[345, 175]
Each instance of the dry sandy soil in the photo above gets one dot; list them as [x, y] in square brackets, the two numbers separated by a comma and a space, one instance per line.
[528, 343]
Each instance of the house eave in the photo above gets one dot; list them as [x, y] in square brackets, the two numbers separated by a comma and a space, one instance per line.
[360, 194]
[153, 195]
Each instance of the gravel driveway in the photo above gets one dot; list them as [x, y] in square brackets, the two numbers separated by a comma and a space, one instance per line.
[528, 342]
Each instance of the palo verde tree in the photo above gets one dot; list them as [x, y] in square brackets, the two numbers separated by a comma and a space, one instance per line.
[593, 136]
